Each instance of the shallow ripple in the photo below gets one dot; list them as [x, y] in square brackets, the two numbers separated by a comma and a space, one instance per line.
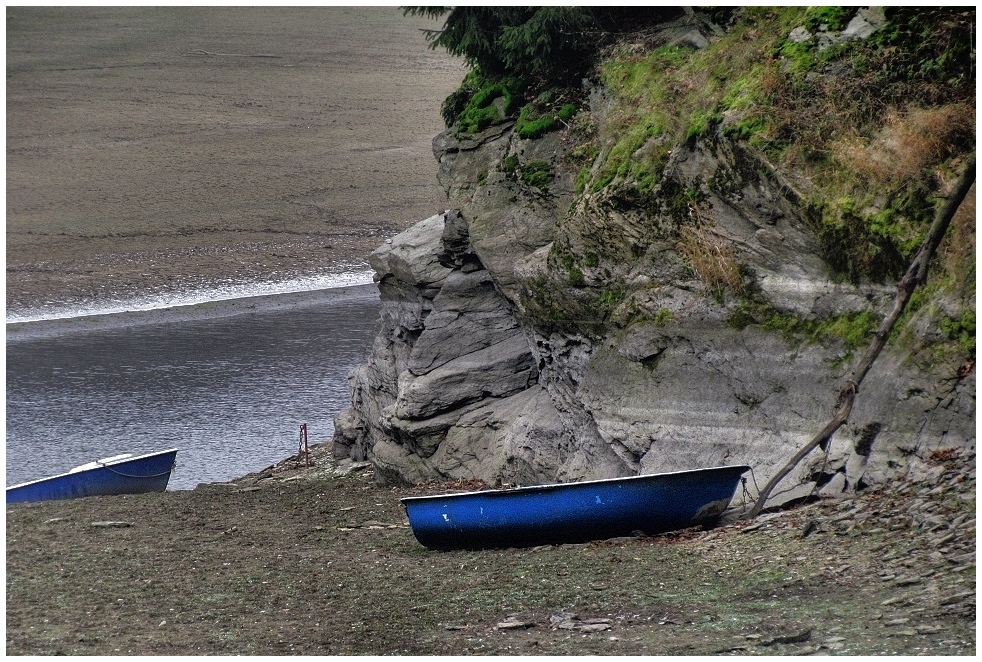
[230, 393]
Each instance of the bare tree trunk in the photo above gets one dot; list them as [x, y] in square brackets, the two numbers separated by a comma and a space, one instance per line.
[916, 275]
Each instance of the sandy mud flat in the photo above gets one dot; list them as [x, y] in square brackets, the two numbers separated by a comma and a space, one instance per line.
[159, 150]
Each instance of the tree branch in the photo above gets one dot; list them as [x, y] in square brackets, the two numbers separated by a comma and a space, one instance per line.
[916, 275]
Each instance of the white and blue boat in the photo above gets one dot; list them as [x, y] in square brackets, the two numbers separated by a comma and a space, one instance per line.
[120, 474]
[573, 512]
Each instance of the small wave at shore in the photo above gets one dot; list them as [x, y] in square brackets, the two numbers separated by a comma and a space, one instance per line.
[212, 294]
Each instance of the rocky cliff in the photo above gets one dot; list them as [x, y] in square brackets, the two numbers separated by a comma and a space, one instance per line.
[542, 332]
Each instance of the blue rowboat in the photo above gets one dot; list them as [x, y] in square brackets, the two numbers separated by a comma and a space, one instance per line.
[120, 474]
[573, 512]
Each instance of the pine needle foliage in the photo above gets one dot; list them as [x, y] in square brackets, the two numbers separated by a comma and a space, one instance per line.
[528, 42]
[552, 45]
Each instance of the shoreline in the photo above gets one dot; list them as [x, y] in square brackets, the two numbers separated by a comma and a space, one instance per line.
[182, 166]
[48, 328]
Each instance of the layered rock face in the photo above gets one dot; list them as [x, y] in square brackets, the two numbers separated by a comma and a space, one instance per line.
[451, 388]
[465, 380]
[491, 361]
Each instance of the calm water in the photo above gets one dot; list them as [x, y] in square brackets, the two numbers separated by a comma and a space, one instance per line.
[230, 393]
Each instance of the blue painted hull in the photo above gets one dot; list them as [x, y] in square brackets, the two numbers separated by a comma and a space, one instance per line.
[573, 512]
[132, 475]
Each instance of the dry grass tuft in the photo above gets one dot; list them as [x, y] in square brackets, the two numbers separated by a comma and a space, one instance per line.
[712, 258]
[909, 142]
[958, 250]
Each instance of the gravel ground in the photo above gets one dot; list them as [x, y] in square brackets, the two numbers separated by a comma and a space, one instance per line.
[321, 561]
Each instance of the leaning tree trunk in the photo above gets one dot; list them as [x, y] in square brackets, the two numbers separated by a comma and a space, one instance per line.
[916, 275]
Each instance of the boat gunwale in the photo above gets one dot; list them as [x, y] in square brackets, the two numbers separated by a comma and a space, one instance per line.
[101, 466]
[555, 486]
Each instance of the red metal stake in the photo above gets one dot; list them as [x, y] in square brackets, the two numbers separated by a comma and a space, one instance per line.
[303, 438]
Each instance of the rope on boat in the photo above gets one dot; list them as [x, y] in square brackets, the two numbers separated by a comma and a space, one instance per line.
[120, 473]
[755, 480]
[746, 492]
[821, 472]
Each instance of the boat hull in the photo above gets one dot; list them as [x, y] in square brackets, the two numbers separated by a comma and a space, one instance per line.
[134, 475]
[573, 512]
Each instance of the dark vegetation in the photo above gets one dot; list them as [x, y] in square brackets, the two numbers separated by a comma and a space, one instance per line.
[532, 58]
[548, 45]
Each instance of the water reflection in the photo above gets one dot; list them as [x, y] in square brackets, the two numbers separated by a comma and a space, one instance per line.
[230, 393]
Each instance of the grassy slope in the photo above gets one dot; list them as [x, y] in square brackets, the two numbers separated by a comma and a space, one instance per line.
[872, 132]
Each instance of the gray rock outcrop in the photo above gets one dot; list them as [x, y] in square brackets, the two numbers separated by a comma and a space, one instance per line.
[492, 361]
[450, 389]
[463, 381]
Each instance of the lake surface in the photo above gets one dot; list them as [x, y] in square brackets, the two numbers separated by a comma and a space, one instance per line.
[230, 393]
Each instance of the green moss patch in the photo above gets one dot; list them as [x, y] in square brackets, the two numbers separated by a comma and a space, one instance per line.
[537, 174]
[853, 330]
[480, 103]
